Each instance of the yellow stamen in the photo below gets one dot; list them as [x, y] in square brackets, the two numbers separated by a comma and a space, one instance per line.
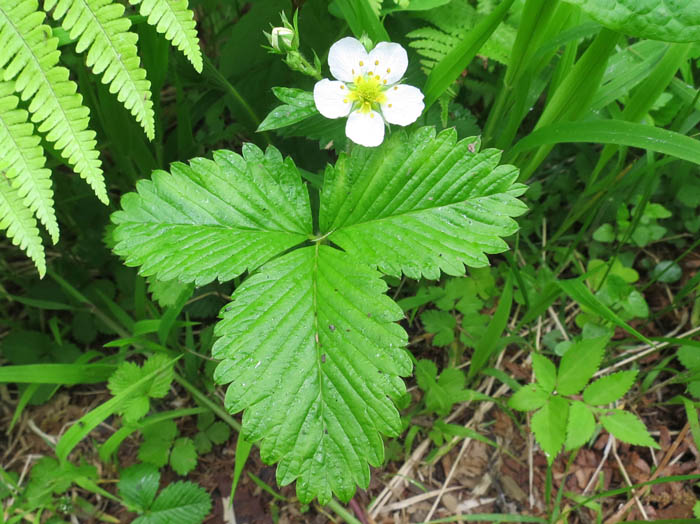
[376, 62]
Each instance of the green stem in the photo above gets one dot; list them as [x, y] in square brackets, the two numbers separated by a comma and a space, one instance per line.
[342, 512]
[214, 74]
[203, 399]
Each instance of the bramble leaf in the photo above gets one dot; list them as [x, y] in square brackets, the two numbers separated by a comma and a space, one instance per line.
[528, 397]
[580, 425]
[310, 346]
[421, 203]
[627, 427]
[579, 363]
[610, 388]
[549, 426]
[545, 372]
[214, 219]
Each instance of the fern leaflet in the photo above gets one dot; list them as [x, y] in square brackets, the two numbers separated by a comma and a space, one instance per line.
[173, 19]
[17, 220]
[29, 54]
[100, 27]
[23, 160]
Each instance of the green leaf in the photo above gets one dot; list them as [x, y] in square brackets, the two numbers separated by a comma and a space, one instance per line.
[219, 432]
[545, 372]
[173, 19]
[314, 355]
[161, 383]
[90, 420]
[440, 323]
[19, 225]
[202, 443]
[549, 426]
[528, 397]
[102, 30]
[617, 132]
[299, 106]
[581, 294]
[579, 364]
[580, 426]
[183, 457]
[138, 485]
[23, 159]
[689, 357]
[610, 388]
[420, 204]
[669, 21]
[627, 427]
[214, 219]
[178, 503]
[604, 233]
[48, 373]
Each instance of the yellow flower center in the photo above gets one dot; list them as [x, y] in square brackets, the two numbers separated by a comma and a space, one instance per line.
[367, 92]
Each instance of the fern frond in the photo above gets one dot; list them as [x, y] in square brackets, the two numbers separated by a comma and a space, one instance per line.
[100, 28]
[29, 54]
[173, 19]
[23, 161]
[19, 223]
[450, 25]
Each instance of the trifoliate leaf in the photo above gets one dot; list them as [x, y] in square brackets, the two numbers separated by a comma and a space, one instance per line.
[549, 426]
[440, 323]
[183, 457]
[314, 355]
[610, 388]
[138, 485]
[421, 204]
[545, 372]
[627, 427]
[178, 503]
[580, 426]
[528, 397]
[213, 219]
[677, 21]
[579, 364]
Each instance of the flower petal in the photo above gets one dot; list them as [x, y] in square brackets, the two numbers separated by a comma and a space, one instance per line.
[347, 59]
[331, 98]
[389, 61]
[366, 129]
[403, 105]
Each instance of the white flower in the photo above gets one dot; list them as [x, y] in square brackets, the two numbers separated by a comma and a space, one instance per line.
[367, 90]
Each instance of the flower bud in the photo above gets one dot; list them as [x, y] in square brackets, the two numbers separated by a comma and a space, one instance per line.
[282, 39]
